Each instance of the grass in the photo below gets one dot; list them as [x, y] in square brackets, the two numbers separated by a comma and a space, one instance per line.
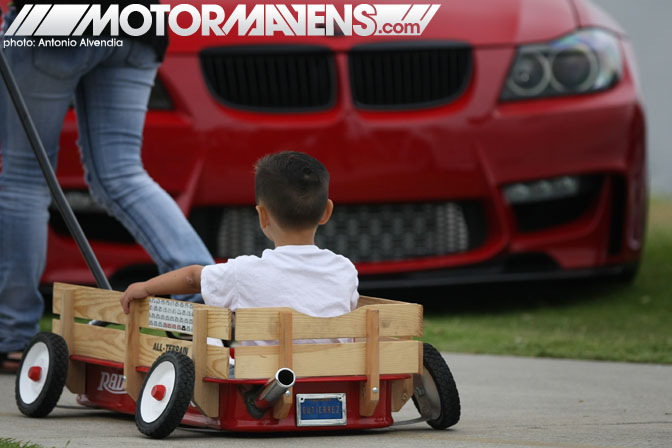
[11, 443]
[601, 320]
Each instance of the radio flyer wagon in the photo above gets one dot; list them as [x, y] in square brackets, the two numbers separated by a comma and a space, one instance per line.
[166, 382]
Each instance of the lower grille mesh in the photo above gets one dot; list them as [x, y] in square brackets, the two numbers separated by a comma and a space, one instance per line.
[381, 232]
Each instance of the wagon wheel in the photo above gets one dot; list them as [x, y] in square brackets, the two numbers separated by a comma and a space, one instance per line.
[165, 395]
[42, 374]
[435, 393]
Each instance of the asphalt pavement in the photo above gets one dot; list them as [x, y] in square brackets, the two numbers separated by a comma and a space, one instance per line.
[506, 402]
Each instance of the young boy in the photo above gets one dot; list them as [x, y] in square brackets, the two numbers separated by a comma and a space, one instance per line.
[292, 195]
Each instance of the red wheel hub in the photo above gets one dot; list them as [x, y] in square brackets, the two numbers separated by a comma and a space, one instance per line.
[35, 373]
[158, 392]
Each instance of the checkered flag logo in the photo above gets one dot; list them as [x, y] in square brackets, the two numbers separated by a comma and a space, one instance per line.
[49, 20]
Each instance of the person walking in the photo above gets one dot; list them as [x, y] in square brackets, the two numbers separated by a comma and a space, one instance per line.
[111, 88]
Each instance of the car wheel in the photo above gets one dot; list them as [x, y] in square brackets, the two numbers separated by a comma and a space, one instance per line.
[629, 272]
[435, 392]
[165, 395]
[42, 374]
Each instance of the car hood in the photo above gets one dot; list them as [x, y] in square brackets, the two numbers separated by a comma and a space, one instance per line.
[478, 22]
[492, 22]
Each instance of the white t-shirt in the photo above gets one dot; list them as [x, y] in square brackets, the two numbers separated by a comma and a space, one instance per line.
[313, 281]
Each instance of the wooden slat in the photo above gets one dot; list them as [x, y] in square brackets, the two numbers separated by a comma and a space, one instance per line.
[218, 362]
[76, 380]
[154, 346]
[96, 342]
[402, 391]
[94, 303]
[370, 389]
[396, 320]
[103, 304]
[151, 347]
[206, 395]
[328, 359]
[108, 344]
[285, 338]
[132, 354]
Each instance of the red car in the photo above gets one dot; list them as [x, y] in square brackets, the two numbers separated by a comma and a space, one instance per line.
[506, 142]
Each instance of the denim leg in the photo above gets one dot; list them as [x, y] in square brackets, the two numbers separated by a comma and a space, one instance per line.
[24, 196]
[111, 103]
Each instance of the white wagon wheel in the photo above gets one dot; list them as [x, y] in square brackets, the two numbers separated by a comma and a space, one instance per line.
[165, 395]
[42, 374]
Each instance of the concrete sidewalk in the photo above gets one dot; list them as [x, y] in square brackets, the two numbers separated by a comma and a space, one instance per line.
[506, 402]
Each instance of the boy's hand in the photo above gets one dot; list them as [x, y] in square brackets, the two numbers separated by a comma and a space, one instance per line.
[133, 292]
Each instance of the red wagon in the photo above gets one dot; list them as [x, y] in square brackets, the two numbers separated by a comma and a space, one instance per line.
[132, 366]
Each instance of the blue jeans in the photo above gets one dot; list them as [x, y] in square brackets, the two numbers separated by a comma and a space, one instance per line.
[111, 87]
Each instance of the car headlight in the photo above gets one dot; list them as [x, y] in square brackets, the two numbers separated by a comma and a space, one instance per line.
[582, 62]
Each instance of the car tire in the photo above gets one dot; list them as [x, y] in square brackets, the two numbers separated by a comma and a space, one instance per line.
[629, 272]
[438, 384]
[42, 374]
[165, 395]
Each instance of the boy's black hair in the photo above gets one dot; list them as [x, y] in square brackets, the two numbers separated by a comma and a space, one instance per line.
[294, 187]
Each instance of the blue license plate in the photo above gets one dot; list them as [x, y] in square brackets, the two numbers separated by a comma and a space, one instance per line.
[320, 409]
